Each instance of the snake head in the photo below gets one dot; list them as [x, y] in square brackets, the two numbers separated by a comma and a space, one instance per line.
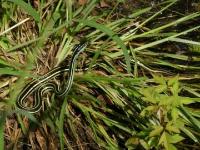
[79, 48]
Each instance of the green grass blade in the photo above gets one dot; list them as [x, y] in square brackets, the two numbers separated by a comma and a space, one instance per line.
[103, 117]
[113, 36]
[194, 121]
[89, 8]
[189, 134]
[14, 26]
[28, 8]
[11, 71]
[2, 122]
[165, 39]
[19, 119]
[69, 12]
[150, 18]
[159, 29]
[185, 41]
[118, 54]
[3, 62]
[61, 123]
[19, 46]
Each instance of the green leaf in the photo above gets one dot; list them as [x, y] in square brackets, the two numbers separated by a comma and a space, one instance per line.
[175, 138]
[159, 79]
[172, 127]
[161, 88]
[148, 109]
[156, 131]
[165, 100]
[28, 8]
[172, 147]
[173, 80]
[149, 95]
[132, 141]
[165, 140]
[144, 144]
[174, 114]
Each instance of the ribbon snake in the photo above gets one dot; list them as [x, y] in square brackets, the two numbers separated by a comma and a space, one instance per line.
[40, 86]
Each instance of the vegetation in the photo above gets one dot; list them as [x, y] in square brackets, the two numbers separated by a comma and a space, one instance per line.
[141, 89]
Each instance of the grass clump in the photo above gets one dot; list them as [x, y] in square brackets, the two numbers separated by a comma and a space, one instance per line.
[141, 88]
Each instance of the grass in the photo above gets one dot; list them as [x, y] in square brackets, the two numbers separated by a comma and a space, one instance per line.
[142, 93]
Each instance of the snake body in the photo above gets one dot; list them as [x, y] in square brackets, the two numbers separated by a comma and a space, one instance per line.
[39, 86]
